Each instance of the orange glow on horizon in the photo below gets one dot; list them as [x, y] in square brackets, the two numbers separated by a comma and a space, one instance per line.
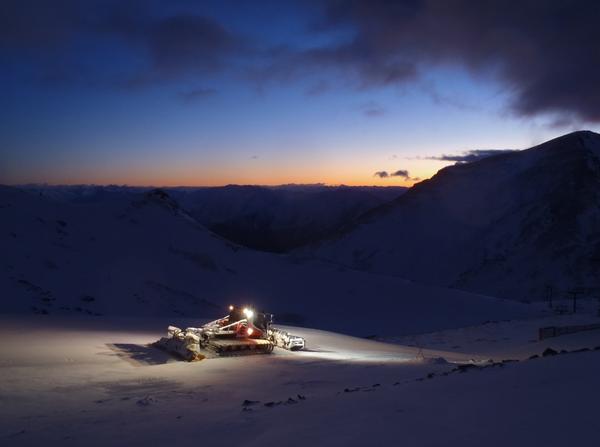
[200, 181]
[356, 173]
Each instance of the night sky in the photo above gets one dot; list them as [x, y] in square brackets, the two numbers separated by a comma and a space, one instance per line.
[270, 92]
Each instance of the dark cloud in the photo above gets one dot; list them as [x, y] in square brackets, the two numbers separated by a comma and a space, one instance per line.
[472, 155]
[185, 43]
[176, 47]
[159, 45]
[38, 24]
[546, 52]
[401, 173]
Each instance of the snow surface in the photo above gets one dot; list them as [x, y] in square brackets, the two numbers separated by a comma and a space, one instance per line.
[74, 381]
[515, 339]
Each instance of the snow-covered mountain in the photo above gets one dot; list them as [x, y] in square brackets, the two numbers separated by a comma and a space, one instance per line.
[278, 219]
[144, 255]
[269, 218]
[515, 225]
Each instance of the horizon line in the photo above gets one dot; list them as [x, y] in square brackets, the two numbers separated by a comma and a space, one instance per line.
[151, 186]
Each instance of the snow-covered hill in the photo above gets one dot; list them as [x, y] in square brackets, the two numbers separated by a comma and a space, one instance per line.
[278, 219]
[144, 255]
[270, 218]
[515, 225]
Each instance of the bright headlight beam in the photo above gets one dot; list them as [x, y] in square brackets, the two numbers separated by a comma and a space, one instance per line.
[248, 312]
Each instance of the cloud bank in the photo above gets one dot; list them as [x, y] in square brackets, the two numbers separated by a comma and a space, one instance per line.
[402, 173]
[546, 54]
[472, 155]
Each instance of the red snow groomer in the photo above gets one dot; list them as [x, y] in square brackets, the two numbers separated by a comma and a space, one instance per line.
[242, 331]
[243, 322]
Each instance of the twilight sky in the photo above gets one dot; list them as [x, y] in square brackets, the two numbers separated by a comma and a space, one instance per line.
[179, 92]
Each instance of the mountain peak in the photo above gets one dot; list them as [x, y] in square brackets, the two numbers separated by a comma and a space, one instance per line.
[578, 136]
[162, 198]
[585, 140]
[583, 132]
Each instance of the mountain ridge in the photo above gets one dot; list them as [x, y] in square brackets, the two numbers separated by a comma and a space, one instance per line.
[448, 230]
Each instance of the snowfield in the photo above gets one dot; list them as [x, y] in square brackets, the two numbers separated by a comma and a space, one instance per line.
[74, 381]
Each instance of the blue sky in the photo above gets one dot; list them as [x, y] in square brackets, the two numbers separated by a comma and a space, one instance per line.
[128, 107]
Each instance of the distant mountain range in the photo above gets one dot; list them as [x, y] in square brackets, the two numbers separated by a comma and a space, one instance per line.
[520, 225]
[278, 219]
[268, 218]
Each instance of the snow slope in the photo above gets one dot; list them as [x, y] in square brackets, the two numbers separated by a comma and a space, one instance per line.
[146, 256]
[512, 225]
[69, 382]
